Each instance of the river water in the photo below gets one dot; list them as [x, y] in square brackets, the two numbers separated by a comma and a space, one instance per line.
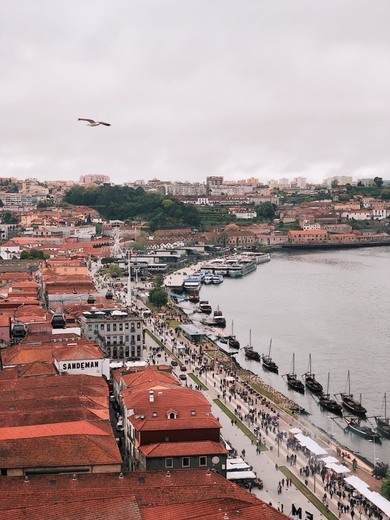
[334, 305]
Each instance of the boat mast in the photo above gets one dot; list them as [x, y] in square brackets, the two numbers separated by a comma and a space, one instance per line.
[269, 350]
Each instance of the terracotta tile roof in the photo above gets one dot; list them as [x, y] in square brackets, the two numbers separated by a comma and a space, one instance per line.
[188, 423]
[24, 354]
[189, 494]
[43, 415]
[172, 449]
[94, 508]
[50, 430]
[60, 451]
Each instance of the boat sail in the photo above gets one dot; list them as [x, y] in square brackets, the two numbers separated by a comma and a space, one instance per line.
[292, 381]
[310, 380]
[268, 364]
[383, 423]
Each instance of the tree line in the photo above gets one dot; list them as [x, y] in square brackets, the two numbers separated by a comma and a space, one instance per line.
[125, 203]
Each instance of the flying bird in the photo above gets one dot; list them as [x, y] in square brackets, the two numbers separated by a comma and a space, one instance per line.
[92, 122]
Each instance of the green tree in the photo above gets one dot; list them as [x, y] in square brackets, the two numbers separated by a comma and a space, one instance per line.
[385, 489]
[33, 254]
[114, 271]
[266, 211]
[385, 194]
[158, 280]
[9, 218]
[158, 297]
[378, 181]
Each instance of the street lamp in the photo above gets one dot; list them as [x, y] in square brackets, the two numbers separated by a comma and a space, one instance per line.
[374, 443]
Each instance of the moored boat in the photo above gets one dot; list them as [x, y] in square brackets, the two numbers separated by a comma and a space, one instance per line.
[325, 401]
[292, 381]
[217, 279]
[205, 307]
[268, 363]
[310, 380]
[354, 425]
[219, 318]
[249, 351]
[208, 278]
[383, 423]
[351, 404]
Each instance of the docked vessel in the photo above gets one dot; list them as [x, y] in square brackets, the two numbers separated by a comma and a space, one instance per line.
[260, 258]
[383, 423]
[268, 363]
[217, 279]
[192, 283]
[310, 380]
[205, 307]
[292, 381]
[218, 318]
[249, 351]
[325, 401]
[208, 278]
[350, 403]
[354, 425]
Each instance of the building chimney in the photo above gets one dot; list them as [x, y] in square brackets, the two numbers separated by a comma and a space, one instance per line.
[151, 396]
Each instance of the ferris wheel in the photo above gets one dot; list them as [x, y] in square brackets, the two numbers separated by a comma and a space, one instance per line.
[116, 248]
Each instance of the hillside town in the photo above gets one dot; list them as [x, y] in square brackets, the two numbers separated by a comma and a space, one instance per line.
[104, 395]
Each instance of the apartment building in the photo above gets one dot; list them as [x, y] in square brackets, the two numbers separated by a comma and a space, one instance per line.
[119, 332]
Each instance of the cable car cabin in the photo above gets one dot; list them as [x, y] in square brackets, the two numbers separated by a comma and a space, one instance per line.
[19, 330]
[58, 321]
[91, 298]
[109, 295]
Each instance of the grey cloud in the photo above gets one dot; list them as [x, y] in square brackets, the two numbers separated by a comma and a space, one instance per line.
[194, 88]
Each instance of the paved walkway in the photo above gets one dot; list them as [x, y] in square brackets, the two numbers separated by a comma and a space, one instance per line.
[266, 464]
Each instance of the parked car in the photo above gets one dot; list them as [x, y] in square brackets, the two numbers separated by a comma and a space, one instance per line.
[174, 363]
[183, 377]
[183, 368]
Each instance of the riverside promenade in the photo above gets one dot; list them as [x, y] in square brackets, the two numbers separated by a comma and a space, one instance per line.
[290, 483]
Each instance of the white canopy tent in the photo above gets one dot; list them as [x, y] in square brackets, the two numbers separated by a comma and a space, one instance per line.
[330, 459]
[311, 445]
[375, 498]
[239, 475]
[338, 468]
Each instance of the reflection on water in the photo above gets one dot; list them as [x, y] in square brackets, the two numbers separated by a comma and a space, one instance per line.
[334, 305]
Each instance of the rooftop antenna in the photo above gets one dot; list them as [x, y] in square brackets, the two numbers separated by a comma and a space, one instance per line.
[128, 278]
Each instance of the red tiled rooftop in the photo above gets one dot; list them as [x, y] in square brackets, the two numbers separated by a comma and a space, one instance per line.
[187, 494]
[50, 430]
[178, 449]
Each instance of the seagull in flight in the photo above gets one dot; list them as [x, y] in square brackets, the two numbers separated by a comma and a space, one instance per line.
[92, 122]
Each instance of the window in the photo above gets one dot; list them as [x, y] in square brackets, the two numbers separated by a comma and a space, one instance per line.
[121, 326]
[138, 325]
[154, 414]
[108, 327]
[185, 462]
[126, 325]
[169, 463]
[193, 412]
[172, 415]
[202, 461]
[114, 327]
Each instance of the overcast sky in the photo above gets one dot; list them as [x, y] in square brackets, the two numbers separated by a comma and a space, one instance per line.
[239, 88]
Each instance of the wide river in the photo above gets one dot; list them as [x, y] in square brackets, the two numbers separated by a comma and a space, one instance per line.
[334, 305]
